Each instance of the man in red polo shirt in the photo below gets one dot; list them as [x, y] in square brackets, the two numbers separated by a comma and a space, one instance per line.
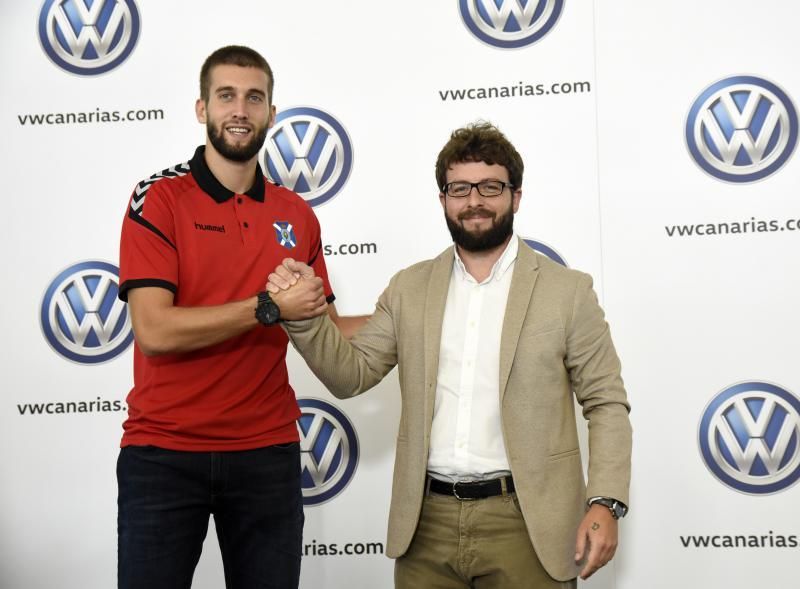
[211, 420]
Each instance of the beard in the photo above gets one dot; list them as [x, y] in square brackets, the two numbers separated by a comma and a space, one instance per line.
[487, 239]
[236, 153]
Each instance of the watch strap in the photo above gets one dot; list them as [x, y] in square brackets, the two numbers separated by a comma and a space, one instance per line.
[264, 298]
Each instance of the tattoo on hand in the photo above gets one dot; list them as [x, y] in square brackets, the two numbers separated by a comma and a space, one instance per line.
[595, 526]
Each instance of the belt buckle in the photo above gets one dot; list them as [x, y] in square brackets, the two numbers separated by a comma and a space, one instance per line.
[459, 497]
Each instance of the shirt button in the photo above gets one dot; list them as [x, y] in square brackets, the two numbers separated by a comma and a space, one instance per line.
[239, 200]
[245, 225]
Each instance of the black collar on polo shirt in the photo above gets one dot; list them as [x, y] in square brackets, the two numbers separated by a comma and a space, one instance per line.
[209, 183]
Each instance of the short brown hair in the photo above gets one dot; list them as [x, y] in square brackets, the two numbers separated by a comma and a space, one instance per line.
[234, 55]
[479, 142]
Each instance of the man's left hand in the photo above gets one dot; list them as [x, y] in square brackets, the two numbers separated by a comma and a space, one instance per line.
[304, 300]
[597, 539]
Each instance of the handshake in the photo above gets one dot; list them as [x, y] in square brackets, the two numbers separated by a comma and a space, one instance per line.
[297, 291]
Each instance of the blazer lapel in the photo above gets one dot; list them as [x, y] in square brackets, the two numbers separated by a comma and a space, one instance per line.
[435, 300]
[526, 269]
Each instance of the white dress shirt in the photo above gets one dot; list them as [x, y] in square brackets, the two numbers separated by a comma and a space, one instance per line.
[466, 437]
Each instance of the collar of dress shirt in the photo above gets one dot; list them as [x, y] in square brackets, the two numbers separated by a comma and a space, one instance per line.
[500, 267]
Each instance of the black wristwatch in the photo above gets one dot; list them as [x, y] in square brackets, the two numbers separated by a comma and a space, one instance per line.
[267, 312]
[618, 508]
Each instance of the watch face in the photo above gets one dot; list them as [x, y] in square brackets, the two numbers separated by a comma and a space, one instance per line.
[268, 313]
[616, 509]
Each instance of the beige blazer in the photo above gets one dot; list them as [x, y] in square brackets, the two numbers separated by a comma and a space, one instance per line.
[555, 342]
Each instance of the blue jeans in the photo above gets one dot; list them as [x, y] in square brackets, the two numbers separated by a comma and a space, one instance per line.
[166, 497]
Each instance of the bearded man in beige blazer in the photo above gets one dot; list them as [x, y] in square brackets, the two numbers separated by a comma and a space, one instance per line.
[491, 341]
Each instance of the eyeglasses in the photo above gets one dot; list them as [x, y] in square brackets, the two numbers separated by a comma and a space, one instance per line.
[485, 188]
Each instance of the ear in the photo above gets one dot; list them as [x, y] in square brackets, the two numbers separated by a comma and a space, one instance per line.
[200, 111]
[442, 198]
[272, 113]
[516, 196]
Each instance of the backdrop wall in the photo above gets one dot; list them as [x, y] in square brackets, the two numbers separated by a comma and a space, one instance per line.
[659, 146]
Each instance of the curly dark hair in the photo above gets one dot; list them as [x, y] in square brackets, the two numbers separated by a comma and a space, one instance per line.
[479, 142]
[235, 55]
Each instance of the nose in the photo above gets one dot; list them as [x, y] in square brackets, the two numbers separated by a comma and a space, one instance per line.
[474, 197]
[240, 107]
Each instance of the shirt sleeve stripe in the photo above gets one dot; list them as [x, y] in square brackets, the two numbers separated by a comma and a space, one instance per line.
[315, 254]
[126, 286]
[145, 223]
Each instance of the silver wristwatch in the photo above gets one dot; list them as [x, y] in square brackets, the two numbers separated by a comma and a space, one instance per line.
[618, 508]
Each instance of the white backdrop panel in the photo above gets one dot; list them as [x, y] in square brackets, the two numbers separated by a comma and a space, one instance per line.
[607, 172]
[693, 315]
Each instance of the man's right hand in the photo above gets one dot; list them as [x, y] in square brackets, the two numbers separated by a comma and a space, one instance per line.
[297, 291]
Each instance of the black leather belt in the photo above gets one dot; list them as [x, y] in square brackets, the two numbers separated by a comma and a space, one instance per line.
[472, 490]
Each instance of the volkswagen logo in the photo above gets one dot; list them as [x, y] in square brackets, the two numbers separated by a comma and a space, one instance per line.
[741, 129]
[88, 38]
[510, 24]
[328, 450]
[308, 151]
[82, 317]
[749, 438]
[545, 250]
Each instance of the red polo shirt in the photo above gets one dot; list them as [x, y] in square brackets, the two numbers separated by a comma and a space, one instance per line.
[187, 233]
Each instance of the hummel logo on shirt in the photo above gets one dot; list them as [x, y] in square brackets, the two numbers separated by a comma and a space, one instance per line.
[217, 228]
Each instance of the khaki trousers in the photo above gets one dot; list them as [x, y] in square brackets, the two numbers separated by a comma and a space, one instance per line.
[480, 544]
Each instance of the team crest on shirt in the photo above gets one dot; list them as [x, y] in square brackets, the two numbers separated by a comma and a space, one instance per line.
[284, 233]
